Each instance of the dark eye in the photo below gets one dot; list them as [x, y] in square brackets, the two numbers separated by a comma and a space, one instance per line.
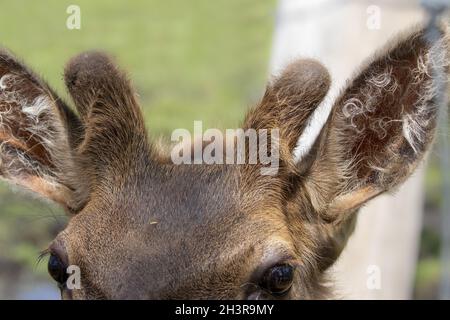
[57, 269]
[278, 279]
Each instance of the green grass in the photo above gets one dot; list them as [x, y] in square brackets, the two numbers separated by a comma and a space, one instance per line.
[189, 60]
[427, 278]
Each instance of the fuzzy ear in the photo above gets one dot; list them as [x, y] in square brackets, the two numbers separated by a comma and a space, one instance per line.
[35, 142]
[288, 102]
[381, 126]
[115, 133]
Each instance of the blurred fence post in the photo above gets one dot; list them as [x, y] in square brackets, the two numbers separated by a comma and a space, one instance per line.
[341, 34]
[435, 9]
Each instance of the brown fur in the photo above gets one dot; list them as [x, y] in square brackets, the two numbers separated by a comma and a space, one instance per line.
[144, 228]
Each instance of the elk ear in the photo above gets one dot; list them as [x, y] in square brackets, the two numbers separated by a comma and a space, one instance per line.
[35, 143]
[381, 126]
[110, 113]
[288, 102]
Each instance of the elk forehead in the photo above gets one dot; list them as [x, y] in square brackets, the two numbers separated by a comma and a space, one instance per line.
[185, 224]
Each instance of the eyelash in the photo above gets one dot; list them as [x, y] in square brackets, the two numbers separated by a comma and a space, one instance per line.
[42, 255]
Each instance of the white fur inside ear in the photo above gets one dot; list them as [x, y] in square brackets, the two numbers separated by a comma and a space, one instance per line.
[313, 128]
[32, 114]
[40, 104]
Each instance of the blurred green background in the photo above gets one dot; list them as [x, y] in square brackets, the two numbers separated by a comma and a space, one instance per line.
[189, 60]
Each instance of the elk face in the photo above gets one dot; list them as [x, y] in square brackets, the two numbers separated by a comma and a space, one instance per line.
[143, 227]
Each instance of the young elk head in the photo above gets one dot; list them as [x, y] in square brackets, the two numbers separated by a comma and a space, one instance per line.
[143, 227]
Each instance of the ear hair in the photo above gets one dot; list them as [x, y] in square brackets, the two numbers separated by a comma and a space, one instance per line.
[380, 127]
[34, 139]
[114, 132]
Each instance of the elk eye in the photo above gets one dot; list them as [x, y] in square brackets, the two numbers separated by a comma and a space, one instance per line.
[57, 269]
[278, 279]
